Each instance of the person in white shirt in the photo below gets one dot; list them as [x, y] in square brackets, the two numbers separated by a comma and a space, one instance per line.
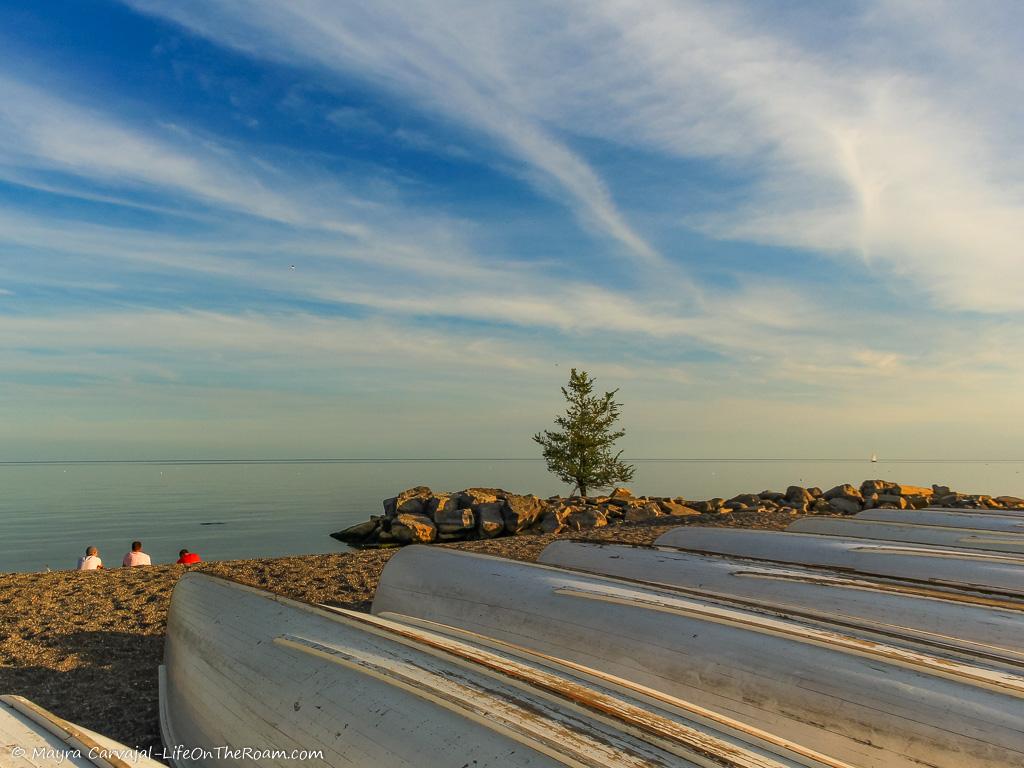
[91, 560]
[136, 556]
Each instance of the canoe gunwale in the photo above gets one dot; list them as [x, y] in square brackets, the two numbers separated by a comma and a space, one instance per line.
[71, 734]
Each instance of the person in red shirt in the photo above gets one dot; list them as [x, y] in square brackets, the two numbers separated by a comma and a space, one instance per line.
[188, 558]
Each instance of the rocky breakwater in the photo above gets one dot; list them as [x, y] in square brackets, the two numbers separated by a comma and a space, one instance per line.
[419, 515]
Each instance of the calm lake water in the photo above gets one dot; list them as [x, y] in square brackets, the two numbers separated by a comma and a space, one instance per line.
[49, 513]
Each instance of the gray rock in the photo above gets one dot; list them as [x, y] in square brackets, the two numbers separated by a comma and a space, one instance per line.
[409, 501]
[796, 494]
[745, 500]
[672, 507]
[520, 512]
[357, 534]
[844, 505]
[844, 491]
[639, 513]
[413, 529]
[621, 493]
[456, 521]
[441, 504]
[490, 520]
[472, 497]
[586, 518]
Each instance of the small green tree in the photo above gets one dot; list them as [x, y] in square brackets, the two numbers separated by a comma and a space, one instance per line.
[581, 453]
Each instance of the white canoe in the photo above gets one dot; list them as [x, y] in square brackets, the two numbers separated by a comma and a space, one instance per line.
[950, 538]
[31, 736]
[887, 611]
[983, 521]
[869, 704]
[249, 669]
[990, 573]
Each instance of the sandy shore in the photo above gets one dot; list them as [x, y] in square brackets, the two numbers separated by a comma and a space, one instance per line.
[87, 645]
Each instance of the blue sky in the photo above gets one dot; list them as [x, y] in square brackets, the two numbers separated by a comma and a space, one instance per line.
[328, 229]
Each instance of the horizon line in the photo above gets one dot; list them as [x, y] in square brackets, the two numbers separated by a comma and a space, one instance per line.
[354, 460]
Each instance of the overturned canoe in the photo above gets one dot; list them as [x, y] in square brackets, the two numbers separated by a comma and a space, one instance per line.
[866, 703]
[983, 521]
[33, 736]
[991, 573]
[892, 612]
[950, 538]
[253, 670]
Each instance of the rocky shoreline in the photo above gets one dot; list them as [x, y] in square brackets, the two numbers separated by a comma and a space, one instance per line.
[421, 516]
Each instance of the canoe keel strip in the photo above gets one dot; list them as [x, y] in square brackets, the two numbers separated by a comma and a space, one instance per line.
[870, 704]
[248, 668]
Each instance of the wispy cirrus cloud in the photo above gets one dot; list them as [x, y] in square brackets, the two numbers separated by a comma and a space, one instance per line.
[875, 148]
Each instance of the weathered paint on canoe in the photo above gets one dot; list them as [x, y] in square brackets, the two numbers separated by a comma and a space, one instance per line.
[46, 741]
[875, 609]
[993, 573]
[869, 704]
[950, 538]
[247, 668]
[985, 521]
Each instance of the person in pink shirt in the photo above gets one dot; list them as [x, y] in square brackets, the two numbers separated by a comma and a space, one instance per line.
[91, 560]
[136, 556]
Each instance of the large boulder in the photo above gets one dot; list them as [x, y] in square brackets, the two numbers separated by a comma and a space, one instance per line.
[1010, 501]
[359, 533]
[413, 529]
[891, 498]
[871, 487]
[844, 491]
[913, 490]
[472, 497]
[708, 507]
[441, 504]
[412, 501]
[490, 521]
[844, 505]
[590, 517]
[455, 521]
[797, 494]
[520, 512]
[744, 500]
[621, 493]
[678, 509]
[553, 520]
[639, 513]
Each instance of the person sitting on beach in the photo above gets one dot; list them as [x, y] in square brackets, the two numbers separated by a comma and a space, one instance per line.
[188, 558]
[136, 556]
[91, 560]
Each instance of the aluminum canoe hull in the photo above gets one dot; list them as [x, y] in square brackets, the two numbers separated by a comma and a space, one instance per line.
[950, 538]
[865, 703]
[988, 573]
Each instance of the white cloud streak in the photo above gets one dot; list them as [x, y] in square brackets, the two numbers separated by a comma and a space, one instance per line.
[901, 153]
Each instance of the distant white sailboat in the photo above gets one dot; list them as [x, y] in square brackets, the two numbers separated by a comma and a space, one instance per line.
[874, 458]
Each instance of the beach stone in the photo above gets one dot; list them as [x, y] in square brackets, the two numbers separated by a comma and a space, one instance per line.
[844, 491]
[357, 534]
[821, 506]
[520, 512]
[456, 521]
[941, 490]
[815, 492]
[553, 520]
[490, 520]
[844, 505]
[413, 529]
[771, 496]
[621, 493]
